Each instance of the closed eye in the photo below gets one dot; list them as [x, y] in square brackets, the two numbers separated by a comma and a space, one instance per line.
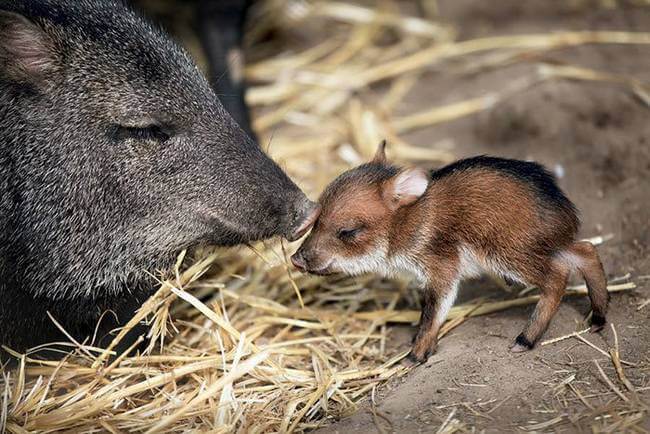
[348, 234]
[146, 133]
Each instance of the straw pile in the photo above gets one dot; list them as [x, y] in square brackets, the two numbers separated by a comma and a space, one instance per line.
[239, 342]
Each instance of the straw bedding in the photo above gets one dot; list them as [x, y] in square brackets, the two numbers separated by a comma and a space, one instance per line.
[239, 341]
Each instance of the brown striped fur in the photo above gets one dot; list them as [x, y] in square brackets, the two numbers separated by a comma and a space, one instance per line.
[506, 217]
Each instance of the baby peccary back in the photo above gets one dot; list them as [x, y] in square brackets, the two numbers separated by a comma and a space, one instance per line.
[506, 217]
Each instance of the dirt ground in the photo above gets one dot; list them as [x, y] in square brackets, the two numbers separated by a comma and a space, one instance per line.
[597, 138]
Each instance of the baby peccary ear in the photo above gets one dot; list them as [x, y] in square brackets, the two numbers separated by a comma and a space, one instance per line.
[406, 187]
[26, 52]
[380, 155]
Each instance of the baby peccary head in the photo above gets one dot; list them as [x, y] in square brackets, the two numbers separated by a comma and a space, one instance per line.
[506, 217]
[360, 216]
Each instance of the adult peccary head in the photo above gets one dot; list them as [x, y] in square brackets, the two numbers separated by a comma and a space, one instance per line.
[115, 155]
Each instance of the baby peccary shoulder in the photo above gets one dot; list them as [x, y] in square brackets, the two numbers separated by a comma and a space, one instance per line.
[506, 217]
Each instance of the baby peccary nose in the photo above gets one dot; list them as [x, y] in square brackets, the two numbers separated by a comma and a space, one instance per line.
[308, 216]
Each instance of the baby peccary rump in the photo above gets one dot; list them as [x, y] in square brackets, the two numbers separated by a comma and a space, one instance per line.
[506, 217]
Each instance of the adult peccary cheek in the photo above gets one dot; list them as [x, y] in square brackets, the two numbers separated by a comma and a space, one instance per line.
[115, 156]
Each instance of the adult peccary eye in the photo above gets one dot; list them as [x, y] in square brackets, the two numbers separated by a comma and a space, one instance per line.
[348, 234]
[149, 132]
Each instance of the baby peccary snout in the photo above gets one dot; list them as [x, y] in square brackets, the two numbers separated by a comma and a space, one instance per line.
[506, 217]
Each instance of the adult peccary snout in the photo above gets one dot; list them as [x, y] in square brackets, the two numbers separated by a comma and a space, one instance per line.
[306, 217]
[115, 155]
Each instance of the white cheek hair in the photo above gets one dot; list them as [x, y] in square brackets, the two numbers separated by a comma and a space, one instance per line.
[372, 262]
[377, 262]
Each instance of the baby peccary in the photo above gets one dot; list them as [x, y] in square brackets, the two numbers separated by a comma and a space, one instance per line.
[503, 216]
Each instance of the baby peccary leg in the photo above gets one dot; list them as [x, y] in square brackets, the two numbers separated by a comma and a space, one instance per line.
[592, 271]
[552, 289]
[438, 299]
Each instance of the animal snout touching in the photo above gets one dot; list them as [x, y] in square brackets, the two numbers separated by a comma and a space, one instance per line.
[298, 260]
[307, 216]
[310, 260]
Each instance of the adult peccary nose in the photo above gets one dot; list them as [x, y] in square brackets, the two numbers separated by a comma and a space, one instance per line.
[309, 214]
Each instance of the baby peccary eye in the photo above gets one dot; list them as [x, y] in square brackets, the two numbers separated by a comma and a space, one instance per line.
[348, 234]
[149, 132]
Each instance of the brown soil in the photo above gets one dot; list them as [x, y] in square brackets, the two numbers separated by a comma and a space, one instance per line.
[598, 135]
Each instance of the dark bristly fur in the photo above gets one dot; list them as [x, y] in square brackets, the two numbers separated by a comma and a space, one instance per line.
[507, 217]
[531, 173]
[115, 155]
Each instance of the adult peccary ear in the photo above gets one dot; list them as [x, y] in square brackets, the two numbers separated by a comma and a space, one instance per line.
[380, 154]
[406, 187]
[26, 51]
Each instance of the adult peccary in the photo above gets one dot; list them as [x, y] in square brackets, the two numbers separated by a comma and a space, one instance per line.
[115, 154]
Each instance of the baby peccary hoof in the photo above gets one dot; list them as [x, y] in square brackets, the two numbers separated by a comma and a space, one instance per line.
[521, 344]
[413, 359]
[597, 323]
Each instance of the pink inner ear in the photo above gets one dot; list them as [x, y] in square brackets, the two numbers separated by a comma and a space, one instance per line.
[411, 183]
[25, 43]
[32, 53]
